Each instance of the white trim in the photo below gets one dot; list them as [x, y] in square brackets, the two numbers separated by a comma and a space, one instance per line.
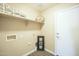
[35, 50]
[30, 52]
[50, 51]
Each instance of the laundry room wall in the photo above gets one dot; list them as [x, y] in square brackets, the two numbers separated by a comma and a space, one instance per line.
[25, 37]
[49, 28]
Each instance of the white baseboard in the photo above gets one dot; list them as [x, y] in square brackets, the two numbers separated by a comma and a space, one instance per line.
[35, 50]
[29, 52]
[50, 51]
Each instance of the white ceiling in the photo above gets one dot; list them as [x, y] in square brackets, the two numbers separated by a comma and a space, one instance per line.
[42, 7]
[36, 6]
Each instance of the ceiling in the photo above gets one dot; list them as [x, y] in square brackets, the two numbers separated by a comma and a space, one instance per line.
[40, 7]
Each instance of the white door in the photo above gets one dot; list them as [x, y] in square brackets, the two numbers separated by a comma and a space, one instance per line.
[65, 23]
[62, 35]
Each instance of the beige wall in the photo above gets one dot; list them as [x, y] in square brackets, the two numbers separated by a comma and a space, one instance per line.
[16, 24]
[24, 42]
[25, 37]
[49, 28]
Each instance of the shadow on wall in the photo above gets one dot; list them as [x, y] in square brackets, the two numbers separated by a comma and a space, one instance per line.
[17, 35]
[75, 38]
[14, 24]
